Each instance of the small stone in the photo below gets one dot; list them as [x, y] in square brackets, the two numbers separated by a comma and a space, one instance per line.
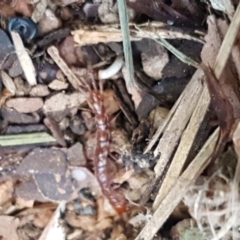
[75, 155]
[25, 105]
[39, 91]
[49, 22]
[58, 85]
[62, 101]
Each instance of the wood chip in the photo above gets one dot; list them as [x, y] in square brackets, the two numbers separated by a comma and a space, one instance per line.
[24, 59]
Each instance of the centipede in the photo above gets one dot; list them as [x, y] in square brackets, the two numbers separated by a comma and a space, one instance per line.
[101, 159]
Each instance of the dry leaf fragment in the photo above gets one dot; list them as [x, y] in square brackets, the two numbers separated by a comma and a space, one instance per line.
[221, 106]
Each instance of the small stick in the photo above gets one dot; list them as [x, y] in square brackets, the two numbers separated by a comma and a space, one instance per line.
[111, 33]
[54, 53]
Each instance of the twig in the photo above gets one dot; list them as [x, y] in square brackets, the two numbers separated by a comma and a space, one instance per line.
[111, 33]
[54, 53]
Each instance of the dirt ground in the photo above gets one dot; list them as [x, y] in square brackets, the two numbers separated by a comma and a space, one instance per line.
[119, 119]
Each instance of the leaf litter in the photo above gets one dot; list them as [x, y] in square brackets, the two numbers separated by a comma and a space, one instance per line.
[87, 155]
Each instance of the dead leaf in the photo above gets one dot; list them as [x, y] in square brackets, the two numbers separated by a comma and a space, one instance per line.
[221, 105]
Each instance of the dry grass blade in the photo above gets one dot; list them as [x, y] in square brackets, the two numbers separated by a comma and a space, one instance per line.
[179, 189]
[195, 121]
[122, 10]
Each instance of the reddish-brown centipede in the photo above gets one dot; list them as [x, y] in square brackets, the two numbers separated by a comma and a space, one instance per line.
[101, 160]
